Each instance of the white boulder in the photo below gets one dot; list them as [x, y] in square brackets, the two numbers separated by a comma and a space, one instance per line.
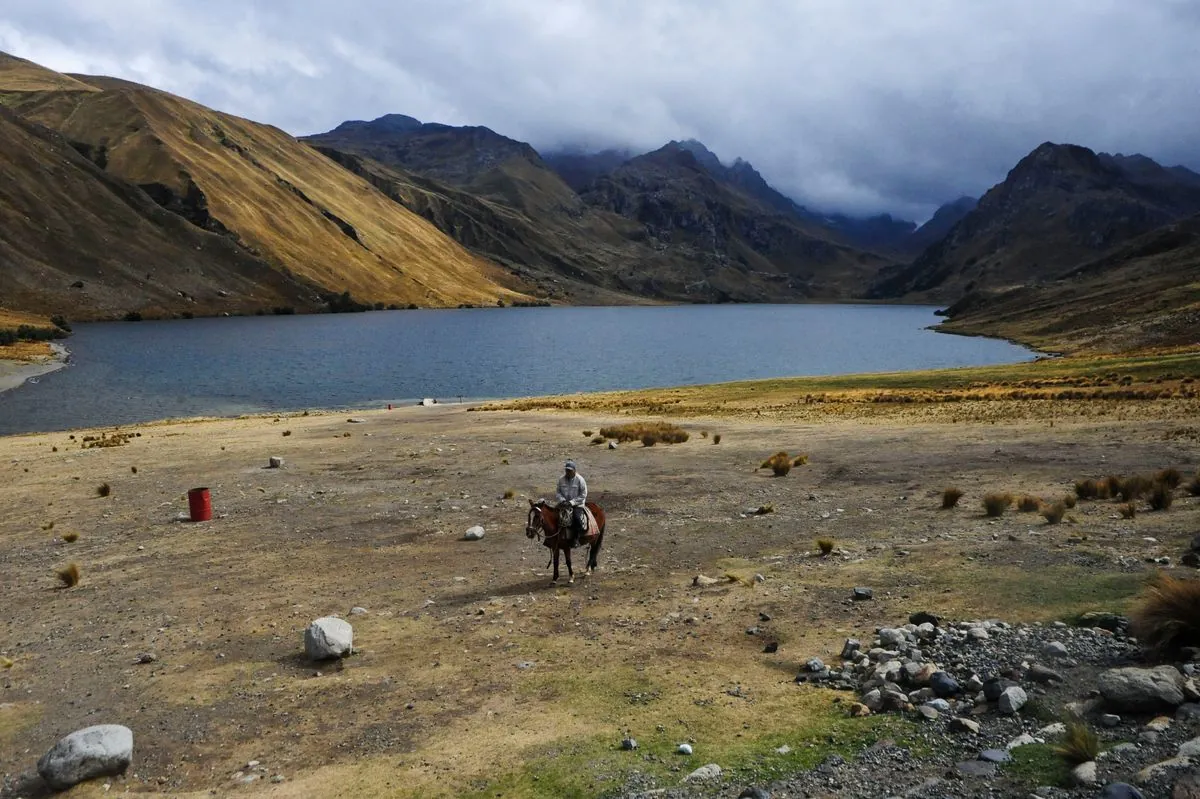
[474, 533]
[85, 754]
[329, 637]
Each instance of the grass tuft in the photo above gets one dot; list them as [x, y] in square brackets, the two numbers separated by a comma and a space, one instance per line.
[1128, 510]
[649, 440]
[509, 494]
[103, 490]
[716, 438]
[1193, 487]
[70, 538]
[587, 433]
[1167, 617]
[1079, 743]
[704, 434]
[662, 432]
[133, 469]
[1069, 500]
[598, 439]
[995, 503]
[1053, 514]
[1161, 497]
[950, 497]
[800, 460]
[779, 463]
[286, 433]
[5, 663]
[1133, 488]
[1087, 489]
[1029, 503]
[1110, 487]
[69, 575]
[825, 545]
[1171, 477]
[763, 510]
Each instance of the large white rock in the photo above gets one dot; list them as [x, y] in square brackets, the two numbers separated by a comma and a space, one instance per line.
[1142, 690]
[710, 772]
[474, 533]
[84, 754]
[329, 637]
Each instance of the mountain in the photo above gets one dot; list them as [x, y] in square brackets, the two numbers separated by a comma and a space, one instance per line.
[1062, 205]
[538, 224]
[940, 224]
[1144, 292]
[78, 241]
[578, 168]
[287, 208]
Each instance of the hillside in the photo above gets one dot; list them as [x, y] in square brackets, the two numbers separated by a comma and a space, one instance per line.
[509, 205]
[78, 241]
[285, 206]
[1143, 293]
[1062, 205]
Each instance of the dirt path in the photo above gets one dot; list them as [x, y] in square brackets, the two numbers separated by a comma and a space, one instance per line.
[475, 674]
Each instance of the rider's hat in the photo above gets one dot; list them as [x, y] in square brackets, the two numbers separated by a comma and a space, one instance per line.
[570, 465]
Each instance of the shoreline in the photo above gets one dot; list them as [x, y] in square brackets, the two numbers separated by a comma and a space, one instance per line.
[13, 373]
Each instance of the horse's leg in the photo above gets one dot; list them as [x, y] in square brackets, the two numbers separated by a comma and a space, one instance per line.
[594, 550]
[570, 571]
[554, 579]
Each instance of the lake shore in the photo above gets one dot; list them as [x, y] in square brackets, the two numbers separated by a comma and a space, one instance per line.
[473, 675]
[30, 359]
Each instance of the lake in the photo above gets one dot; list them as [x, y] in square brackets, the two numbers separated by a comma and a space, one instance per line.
[125, 372]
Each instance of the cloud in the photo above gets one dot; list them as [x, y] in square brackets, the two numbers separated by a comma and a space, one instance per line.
[863, 106]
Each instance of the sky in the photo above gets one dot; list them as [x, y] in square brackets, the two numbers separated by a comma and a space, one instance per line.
[854, 106]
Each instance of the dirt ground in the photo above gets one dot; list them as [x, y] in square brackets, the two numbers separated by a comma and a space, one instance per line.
[475, 676]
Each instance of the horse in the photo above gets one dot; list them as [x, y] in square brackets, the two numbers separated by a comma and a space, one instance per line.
[550, 524]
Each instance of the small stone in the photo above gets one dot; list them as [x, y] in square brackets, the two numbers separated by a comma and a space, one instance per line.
[473, 533]
[1050, 730]
[995, 756]
[357, 611]
[771, 648]
[1055, 649]
[1084, 773]
[278, 778]
[1159, 724]
[328, 637]
[628, 744]
[754, 792]
[1012, 700]
[710, 772]
[1187, 786]
[850, 648]
[764, 616]
[959, 724]
[274, 462]
[684, 749]
[873, 700]
[612, 445]
[815, 665]
[974, 684]
[977, 768]
[1110, 720]
[1024, 739]
[861, 594]
[752, 631]
[146, 657]
[890, 637]
[940, 705]
[1042, 674]
[860, 711]
[943, 684]
[995, 686]
[1120, 790]
[924, 617]
[928, 713]
[85, 754]
[978, 634]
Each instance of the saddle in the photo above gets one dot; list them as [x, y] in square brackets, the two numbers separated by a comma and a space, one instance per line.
[590, 527]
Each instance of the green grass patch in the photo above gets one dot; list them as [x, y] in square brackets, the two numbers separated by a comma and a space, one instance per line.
[1037, 764]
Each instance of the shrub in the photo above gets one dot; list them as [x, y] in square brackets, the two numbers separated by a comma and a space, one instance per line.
[1167, 617]
[1193, 487]
[663, 432]
[133, 469]
[1128, 510]
[1134, 488]
[779, 463]
[1161, 497]
[1087, 489]
[1110, 487]
[649, 440]
[825, 545]
[48, 525]
[1053, 514]
[1171, 477]
[1069, 500]
[716, 438]
[996, 503]
[763, 510]
[5, 663]
[704, 434]
[950, 498]
[800, 460]
[69, 575]
[132, 316]
[598, 440]
[1079, 744]
[587, 433]
[287, 433]
[509, 494]
[1028, 503]
[70, 538]
[103, 490]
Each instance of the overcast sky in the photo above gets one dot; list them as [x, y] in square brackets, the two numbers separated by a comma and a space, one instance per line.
[860, 106]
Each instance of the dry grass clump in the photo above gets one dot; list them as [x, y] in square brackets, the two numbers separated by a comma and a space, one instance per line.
[1087, 489]
[1069, 500]
[1171, 477]
[1128, 510]
[286, 433]
[133, 470]
[48, 525]
[995, 503]
[716, 438]
[763, 510]
[69, 575]
[5, 663]
[950, 497]
[587, 433]
[70, 538]
[704, 434]
[1193, 487]
[1053, 514]
[1079, 744]
[1167, 618]
[1161, 497]
[800, 460]
[509, 494]
[1110, 487]
[105, 440]
[661, 432]
[1134, 488]
[103, 490]
[1029, 503]
[779, 463]
[825, 545]
[598, 439]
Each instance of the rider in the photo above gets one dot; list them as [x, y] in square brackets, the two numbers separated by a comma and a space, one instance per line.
[572, 489]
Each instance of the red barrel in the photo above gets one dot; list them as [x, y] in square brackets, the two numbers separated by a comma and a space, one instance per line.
[200, 504]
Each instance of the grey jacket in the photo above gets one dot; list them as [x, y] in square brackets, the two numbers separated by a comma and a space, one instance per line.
[573, 490]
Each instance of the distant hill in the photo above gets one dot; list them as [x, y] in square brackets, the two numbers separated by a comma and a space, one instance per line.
[590, 236]
[284, 205]
[578, 168]
[1144, 292]
[940, 224]
[1060, 206]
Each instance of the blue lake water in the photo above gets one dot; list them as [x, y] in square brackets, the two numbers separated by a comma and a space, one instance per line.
[125, 372]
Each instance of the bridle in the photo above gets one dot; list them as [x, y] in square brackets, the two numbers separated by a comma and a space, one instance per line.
[535, 526]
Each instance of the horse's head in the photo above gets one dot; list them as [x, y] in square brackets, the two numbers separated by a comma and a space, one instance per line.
[536, 523]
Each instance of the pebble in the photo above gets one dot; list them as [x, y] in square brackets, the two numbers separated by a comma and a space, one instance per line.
[1110, 720]
[629, 744]
[995, 756]
[1120, 790]
[1024, 739]
[754, 792]
[473, 533]
[1055, 649]
[1012, 700]
[861, 594]
[685, 749]
[959, 724]
[1084, 773]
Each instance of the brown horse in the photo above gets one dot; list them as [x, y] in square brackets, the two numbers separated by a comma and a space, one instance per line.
[550, 524]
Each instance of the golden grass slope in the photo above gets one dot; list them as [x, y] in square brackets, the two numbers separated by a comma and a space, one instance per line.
[20, 75]
[283, 201]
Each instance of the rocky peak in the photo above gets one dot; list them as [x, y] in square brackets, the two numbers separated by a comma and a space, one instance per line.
[384, 125]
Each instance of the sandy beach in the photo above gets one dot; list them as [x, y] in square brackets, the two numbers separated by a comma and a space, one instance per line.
[473, 675]
[35, 359]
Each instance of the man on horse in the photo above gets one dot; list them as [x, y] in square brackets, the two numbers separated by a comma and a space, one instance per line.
[572, 489]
